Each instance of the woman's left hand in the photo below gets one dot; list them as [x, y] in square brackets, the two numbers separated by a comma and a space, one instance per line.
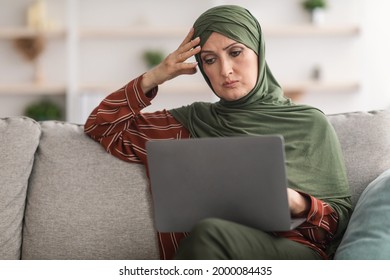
[299, 204]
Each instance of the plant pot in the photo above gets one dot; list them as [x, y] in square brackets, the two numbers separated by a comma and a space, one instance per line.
[318, 16]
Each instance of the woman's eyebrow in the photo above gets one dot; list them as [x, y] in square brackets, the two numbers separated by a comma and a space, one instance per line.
[224, 49]
[206, 51]
[232, 44]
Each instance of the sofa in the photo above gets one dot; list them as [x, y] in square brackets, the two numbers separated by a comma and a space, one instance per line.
[62, 196]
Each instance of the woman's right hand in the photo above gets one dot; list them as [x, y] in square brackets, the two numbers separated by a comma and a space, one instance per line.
[174, 64]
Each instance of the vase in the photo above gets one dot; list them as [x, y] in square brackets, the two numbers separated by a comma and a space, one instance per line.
[318, 16]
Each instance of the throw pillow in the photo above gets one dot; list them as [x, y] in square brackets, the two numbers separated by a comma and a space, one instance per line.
[368, 233]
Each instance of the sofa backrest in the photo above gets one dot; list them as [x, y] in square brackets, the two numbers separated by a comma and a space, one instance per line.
[84, 203]
[365, 141]
[19, 138]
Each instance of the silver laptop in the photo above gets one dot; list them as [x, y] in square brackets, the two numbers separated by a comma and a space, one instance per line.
[241, 179]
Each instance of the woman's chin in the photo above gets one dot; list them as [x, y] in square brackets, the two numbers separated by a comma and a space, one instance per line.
[231, 97]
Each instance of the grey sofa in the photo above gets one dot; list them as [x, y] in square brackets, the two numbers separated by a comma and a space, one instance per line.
[63, 197]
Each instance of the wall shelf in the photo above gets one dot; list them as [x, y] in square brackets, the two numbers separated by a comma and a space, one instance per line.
[164, 32]
[131, 32]
[297, 90]
[321, 86]
[311, 30]
[18, 32]
[32, 89]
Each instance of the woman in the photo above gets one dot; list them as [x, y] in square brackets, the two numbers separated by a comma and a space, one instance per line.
[228, 45]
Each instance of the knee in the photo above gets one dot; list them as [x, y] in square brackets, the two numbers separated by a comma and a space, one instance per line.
[204, 241]
[208, 232]
[208, 227]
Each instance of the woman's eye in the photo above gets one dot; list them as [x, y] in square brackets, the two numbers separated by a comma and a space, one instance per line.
[235, 53]
[209, 60]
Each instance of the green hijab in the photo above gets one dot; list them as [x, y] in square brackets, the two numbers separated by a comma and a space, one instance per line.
[313, 155]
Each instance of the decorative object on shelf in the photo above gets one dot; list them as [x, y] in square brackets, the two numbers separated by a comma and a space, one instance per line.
[316, 8]
[37, 15]
[153, 57]
[43, 110]
[316, 73]
[31, 48]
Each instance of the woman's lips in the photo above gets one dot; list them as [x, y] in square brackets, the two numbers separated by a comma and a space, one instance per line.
[230, 84]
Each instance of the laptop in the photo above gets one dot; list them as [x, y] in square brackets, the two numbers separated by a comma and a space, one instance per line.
[240, 179]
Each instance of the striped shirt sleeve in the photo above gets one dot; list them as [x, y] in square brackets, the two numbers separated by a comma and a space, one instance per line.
[319, 228]
[120, 127]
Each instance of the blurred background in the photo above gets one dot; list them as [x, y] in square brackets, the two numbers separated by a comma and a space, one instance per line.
[59, 58]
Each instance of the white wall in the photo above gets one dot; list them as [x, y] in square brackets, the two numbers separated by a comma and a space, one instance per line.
[372, 60]
[376, 55]
[364, 57]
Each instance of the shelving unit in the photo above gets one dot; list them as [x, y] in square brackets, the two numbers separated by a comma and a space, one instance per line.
[74, 35]
[307, 30]
[12, 33]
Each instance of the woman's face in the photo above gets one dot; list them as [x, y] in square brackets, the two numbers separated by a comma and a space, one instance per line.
[231, 67]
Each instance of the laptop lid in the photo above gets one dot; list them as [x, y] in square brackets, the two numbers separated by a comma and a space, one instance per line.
[241, 179]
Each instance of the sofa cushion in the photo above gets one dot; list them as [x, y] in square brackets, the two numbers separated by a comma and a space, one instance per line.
[84, 203]
[368, 233]
[19, 138]
[365, 140]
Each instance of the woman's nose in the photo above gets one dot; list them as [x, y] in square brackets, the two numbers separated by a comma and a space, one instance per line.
[226, 68]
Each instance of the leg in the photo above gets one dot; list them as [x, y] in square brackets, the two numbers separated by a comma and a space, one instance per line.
[220, 239]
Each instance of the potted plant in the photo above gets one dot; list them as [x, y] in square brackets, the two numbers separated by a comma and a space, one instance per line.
[153, 57]
[43, 110]
[316, 9]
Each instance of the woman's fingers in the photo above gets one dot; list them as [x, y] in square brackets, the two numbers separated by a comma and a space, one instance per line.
[184, 55]
[188, 37]
[184, 51]
[175, 63]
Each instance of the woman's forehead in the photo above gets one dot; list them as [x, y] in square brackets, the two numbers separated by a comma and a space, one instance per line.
[218, 41]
